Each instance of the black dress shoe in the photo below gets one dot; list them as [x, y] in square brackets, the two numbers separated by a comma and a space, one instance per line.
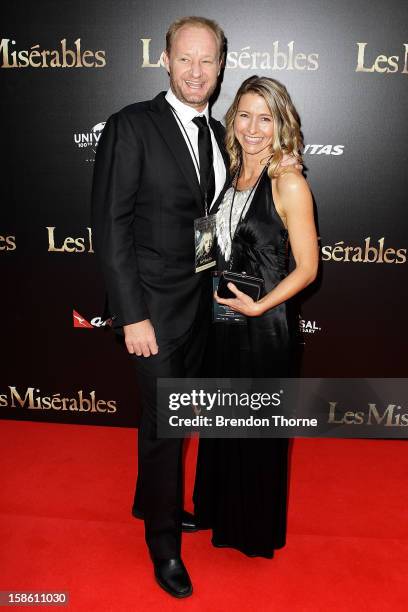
[188, 521]
[137, 513]
[172, 576]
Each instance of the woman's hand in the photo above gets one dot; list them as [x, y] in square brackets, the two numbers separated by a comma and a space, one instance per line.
[242, 303]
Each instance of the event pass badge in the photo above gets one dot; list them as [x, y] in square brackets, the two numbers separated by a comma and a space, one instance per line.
[204, 242]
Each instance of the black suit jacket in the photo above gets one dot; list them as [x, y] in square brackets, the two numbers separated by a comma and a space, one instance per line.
[145, 198]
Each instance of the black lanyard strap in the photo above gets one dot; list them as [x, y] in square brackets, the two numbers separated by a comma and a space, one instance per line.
[190, 144]
[246, 201]
[235, 181]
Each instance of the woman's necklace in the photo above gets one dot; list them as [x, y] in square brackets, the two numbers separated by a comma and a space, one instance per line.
[247, 185]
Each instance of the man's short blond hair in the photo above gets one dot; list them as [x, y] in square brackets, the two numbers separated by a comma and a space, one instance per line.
[198, 22]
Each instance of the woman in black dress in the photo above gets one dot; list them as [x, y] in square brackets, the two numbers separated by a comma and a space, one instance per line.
[241, 484]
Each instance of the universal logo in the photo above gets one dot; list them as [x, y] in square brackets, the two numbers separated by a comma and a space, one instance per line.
[69, 244]
[318, 149]
[89, 140]
[62, 57]
[309, 327]
[281, 57]
[8, 243]
[364, 254]
[391, 416]
[79, 321]
[32, 399]
[370, 62]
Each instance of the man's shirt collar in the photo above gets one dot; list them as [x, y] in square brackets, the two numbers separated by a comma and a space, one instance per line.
[185, 113]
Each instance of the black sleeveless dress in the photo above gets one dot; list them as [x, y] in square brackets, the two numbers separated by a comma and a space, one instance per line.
[241, 484]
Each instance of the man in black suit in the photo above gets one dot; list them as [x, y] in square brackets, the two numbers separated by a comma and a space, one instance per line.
[158, 169]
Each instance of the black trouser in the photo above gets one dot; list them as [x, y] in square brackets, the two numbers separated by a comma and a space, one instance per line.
[159, 488]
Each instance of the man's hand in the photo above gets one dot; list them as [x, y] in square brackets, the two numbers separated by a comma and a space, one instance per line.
[140, 338]
[290, 160]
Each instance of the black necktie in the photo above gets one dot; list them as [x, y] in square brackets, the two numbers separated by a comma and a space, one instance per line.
[205, 152]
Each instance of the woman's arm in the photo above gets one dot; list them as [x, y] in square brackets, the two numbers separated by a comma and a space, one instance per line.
[294, 204]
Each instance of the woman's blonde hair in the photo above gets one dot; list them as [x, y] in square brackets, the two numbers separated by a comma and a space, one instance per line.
[287, 137]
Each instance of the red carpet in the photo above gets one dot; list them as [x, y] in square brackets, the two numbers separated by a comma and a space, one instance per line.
[66, 493]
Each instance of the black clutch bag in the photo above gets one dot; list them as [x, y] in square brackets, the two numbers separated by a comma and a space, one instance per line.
[251, 285]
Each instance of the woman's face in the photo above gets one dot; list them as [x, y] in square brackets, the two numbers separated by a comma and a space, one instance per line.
[253, 124]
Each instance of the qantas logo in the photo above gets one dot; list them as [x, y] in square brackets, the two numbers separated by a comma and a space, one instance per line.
[80, 321]
[319, 149]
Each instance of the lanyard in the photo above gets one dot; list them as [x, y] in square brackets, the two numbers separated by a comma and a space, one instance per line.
[244, 206]
[190, 144]
[246, 201]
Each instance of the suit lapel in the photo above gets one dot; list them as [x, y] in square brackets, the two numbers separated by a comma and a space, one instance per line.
[166, 123]
[220, 138]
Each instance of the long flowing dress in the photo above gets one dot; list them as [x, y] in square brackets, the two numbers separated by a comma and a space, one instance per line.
[241, 484]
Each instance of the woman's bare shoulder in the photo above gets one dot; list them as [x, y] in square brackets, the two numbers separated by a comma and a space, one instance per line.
[291, 181]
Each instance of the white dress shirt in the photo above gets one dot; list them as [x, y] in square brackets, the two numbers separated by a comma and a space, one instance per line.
[186, 114]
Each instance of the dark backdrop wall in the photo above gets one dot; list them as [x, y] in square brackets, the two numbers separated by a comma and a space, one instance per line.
[66, 66]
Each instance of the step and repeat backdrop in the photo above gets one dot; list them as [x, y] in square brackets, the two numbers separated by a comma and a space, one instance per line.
[66, 66]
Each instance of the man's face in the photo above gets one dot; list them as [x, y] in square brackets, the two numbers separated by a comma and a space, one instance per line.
[193, 65]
